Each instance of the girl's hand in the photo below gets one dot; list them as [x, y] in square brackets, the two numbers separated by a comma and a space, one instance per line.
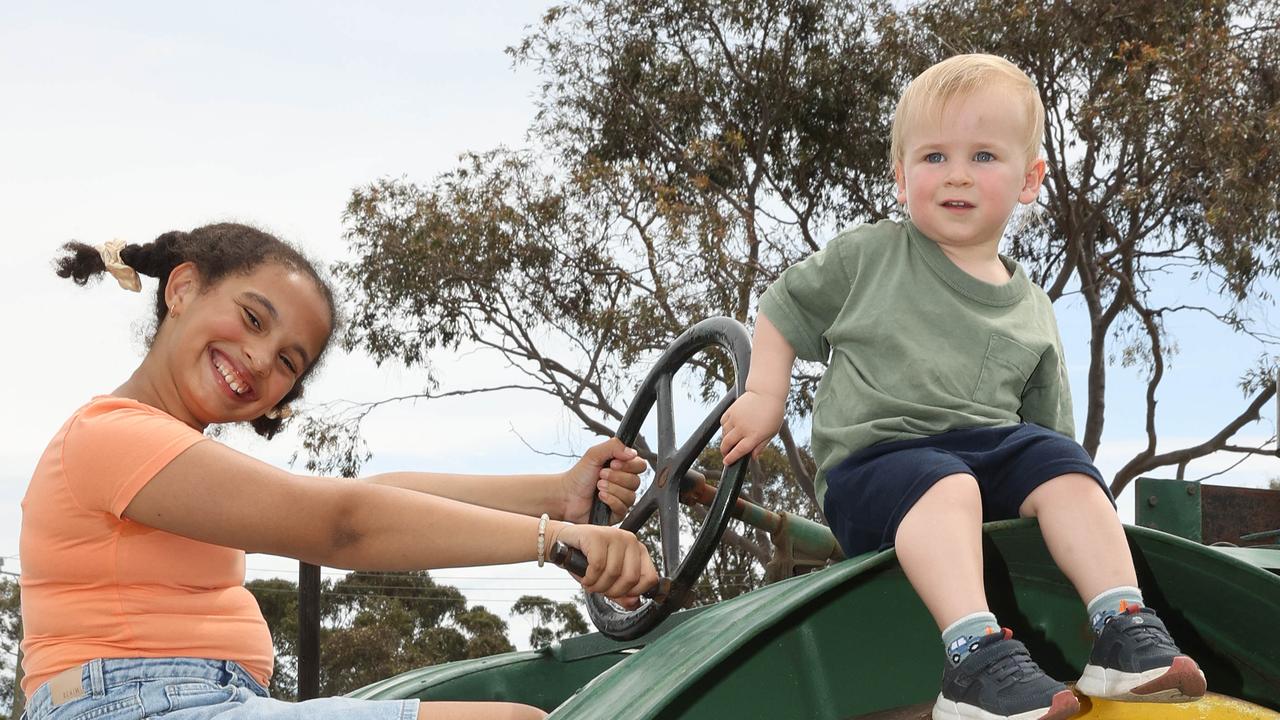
[609, 471]
[618, 565]
[750, 422]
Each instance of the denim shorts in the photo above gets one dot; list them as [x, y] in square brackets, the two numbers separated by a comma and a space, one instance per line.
[871, 491]
[194, 689]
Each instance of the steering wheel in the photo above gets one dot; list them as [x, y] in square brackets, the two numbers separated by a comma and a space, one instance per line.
[663, 494]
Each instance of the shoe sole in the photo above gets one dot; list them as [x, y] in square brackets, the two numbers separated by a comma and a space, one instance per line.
[1064, 705]
[1180, 682]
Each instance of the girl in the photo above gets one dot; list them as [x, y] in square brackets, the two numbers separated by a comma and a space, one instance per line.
[135, 524]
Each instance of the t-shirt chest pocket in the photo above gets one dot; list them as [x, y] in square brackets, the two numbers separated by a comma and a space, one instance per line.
[1005, 371]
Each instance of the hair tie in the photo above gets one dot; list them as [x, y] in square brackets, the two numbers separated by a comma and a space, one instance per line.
[125, 275]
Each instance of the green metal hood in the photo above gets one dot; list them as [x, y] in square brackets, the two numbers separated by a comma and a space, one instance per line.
[854, 639]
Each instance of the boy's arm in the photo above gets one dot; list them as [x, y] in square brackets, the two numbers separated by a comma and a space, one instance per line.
[753, 419]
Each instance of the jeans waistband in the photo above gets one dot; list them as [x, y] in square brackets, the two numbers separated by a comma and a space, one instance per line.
[100, 675]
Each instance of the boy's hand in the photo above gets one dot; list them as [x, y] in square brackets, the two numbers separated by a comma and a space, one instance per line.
[748, 424]
[610, 471]
[618, 565]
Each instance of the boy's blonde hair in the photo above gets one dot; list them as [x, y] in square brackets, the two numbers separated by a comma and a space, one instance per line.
[960, 76]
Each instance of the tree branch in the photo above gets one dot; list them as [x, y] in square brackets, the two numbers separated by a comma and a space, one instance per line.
[1148, 460]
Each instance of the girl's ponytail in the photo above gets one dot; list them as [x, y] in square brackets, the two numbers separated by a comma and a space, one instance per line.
[80, 263]
[157, 258]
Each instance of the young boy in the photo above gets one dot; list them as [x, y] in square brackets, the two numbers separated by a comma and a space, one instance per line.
[945, 402]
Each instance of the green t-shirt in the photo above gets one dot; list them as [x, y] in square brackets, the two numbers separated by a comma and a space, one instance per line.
[914, 346]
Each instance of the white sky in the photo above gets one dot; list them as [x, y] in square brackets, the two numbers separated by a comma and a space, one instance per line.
[129, 119]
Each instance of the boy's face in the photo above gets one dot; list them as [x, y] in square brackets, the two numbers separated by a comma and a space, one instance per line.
[963, 171]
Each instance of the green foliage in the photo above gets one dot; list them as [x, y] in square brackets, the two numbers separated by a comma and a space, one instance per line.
[685, 152]
[552, 620]
[375, 625]
[10, 636]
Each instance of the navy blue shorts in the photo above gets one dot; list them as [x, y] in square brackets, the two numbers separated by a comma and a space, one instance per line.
[870, 492]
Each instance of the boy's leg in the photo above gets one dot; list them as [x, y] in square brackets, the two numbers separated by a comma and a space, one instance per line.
[1083, 533]
[939, 545]
[1133, 656]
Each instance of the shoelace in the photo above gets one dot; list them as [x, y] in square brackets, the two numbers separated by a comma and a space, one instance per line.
[1017, 664]
[1148, 637]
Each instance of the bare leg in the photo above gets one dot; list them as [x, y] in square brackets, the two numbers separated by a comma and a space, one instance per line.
[1083, 533]
[478, 711]
[939, 545]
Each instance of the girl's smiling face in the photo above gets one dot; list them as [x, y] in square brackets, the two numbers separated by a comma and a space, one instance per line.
[232, 351]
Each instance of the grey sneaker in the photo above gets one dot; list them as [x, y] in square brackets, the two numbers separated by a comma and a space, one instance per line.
[998, 680]
[1135, 660]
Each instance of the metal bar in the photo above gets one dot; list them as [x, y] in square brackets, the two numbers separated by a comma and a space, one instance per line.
[698, 491]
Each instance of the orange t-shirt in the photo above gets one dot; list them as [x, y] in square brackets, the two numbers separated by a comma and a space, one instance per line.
[95, 585]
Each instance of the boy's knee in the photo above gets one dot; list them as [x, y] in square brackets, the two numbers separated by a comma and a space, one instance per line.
[957, 492]
[1068, 489]
[956, 488]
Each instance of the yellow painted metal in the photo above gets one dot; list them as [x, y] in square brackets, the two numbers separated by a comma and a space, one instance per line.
[1210, 707]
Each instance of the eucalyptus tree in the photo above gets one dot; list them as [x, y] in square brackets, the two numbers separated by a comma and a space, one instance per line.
[685, 152]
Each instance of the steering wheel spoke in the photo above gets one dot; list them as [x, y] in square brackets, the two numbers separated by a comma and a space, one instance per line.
[688, 453]
[666, 418]
[642, 510]
[669, 526]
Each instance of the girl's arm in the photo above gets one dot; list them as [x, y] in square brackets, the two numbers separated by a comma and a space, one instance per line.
[217, 495]
[610, 471]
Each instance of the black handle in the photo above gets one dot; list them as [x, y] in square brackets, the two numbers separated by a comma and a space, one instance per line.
[573, 560]
[569, 558]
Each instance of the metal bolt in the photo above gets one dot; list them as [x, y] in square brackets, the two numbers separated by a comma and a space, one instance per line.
[1153, 500]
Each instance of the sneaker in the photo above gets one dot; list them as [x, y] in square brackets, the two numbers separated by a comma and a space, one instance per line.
[998, 680]
[1135, 660]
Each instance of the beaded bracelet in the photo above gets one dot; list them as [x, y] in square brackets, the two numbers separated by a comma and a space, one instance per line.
[542, 539]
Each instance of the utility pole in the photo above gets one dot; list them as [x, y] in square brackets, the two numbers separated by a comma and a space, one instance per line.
[308, 631]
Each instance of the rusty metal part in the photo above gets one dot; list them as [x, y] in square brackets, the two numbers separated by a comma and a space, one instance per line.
[1230, 513]
[800, 545]
[1209, 514]
[697, 491]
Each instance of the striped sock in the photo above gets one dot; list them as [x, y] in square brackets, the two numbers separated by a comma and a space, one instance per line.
[1111, 603]
[960, 635]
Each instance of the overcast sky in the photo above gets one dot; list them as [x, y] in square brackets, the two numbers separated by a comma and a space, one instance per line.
[125, 120]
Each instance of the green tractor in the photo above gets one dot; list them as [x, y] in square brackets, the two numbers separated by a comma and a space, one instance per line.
[788, 650]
